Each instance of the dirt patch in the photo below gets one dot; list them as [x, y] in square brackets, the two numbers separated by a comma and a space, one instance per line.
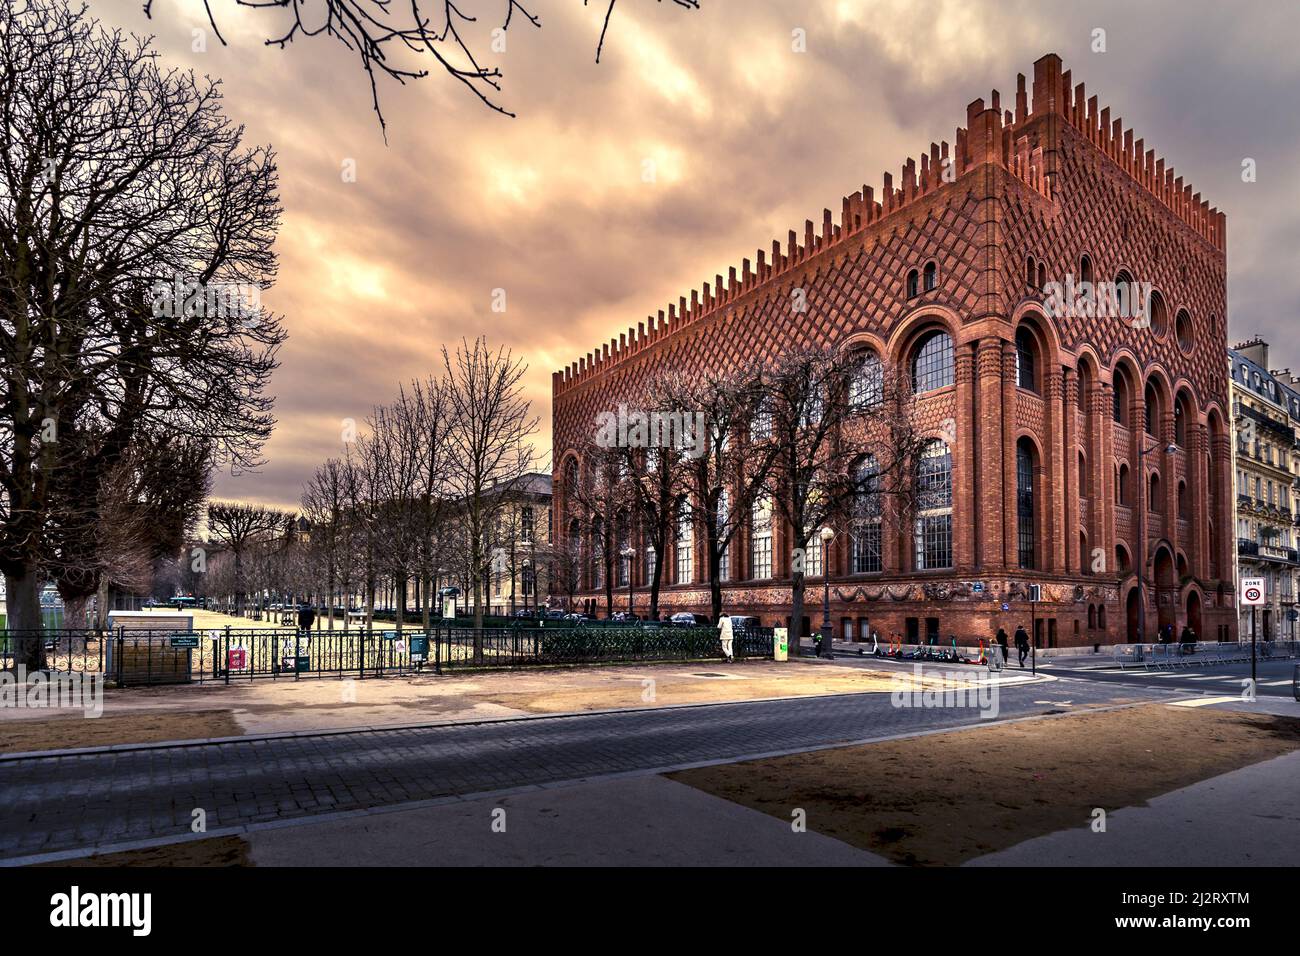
[704, 685]
[946, 798]
[62, 733]
[218, 851]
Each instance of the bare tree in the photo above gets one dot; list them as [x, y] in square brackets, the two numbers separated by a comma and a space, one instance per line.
[725, 475]
[241, 528]
[119, 183]
[378, 33]
[488, 449]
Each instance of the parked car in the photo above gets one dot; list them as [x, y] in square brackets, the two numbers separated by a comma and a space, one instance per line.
[745, 622]
[525, 612]
[555, 614]
[573, 616]
[687, 619]
[626, 616]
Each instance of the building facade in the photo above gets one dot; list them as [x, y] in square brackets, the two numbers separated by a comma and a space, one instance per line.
[1266, 413]
[1081, 442]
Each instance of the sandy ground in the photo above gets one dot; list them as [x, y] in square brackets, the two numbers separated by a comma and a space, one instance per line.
[138, 715]
[946, 798]
[218, 851]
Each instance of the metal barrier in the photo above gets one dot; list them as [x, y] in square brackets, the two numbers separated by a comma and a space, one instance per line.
[151, 657]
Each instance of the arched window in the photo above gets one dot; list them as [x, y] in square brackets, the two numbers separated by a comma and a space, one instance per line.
[932, 362]
[1124, 305]
[1101, 617]
[866, 386]
[724, 515]
[685, 542]
[597, 553]
[1092, 617]
[912, 286]
[1026, 537]
[570, 488]
[929, 276]
[1026, 363]
[866, 556]
[1180, 423]
[1153, 498]
[1182, 500]
[760, 549]
[573, 560]
[934, 507]
[622, 541]
[1031, 273]
[760, 429]
[1085, 269]
[1122, 563]
[1123, 493]
[1123, 397]
[1042, 275]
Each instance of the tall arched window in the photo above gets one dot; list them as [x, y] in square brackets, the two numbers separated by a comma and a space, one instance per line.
[760, 547]
[597, 553]
[1085, 269]
[932, 362]
[1031, 273]
[1123, 394]
[622, 540]
[866, 556]
[1026, 537]
[1123, 493]
[685, 542]
[760, 429]
[913, 286]
[1026, 359]
[724, 515]
[934, 507]
[866, 386]
[929, 277]
[573, 560]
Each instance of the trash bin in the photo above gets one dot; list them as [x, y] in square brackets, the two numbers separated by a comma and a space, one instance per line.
[780, 645]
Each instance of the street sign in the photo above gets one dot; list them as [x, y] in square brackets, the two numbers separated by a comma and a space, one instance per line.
[1252, 592]
[188, 640]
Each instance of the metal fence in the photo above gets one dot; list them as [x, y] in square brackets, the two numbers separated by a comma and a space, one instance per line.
[1201, 654]
[146, 658]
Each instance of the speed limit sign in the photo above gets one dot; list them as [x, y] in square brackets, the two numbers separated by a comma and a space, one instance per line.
[1252, 591]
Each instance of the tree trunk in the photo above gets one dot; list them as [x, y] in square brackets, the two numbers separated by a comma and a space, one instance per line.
[24, 614]
[796, 615]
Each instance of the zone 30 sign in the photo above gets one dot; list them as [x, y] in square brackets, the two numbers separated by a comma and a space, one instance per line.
[1252, 592]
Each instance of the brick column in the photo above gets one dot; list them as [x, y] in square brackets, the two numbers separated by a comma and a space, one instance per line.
[1199, 499]
[1073, 477]
[990, 465]
[1102, 532]
[964, 472]
[1055, 470]
[1010, 555]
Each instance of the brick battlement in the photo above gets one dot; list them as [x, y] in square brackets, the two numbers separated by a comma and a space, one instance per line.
[990, 137]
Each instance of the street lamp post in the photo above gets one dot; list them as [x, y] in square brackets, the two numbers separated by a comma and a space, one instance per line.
[627, 554]
[827, 535]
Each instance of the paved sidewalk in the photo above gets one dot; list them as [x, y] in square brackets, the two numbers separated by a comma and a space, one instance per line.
[1248, 817]
[636, 821]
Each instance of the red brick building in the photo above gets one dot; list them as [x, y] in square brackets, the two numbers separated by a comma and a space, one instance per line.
[1081, 448]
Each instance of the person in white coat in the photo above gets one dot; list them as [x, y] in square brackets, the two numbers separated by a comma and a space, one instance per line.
[725, 633]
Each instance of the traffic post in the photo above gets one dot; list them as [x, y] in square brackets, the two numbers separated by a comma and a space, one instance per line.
[1252, 596]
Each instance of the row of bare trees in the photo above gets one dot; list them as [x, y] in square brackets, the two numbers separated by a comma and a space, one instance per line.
[425, 493]
[819, 437]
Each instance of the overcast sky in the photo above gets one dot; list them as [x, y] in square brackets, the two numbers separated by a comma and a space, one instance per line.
[747, 139]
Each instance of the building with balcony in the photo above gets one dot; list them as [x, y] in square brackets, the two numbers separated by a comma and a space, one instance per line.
[1265, 416]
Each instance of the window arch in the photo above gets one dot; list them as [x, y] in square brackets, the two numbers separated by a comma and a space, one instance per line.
[1122, 563]
[1031, 273]
[1085, 268]
[1026, 359]
[1092, 617]
[932, 362]
[929, 277]
[1124, 306]
[622, 542]
[1153, 497]
[1026, 506]
[866, 384]
[1123, 491]
[913, 287]
[934, 507]
[724, 515]
[1042, 275]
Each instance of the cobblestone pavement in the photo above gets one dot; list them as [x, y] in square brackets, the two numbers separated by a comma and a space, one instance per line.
[77, 801]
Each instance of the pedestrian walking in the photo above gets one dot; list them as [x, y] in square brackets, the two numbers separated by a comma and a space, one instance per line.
[1022, 644]
[727, 636]
[1002, 641]
[306, 617]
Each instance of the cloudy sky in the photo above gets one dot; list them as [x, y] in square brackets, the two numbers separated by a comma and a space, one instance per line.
[745, 137]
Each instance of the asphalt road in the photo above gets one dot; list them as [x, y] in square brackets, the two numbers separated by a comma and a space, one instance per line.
[77, 801]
